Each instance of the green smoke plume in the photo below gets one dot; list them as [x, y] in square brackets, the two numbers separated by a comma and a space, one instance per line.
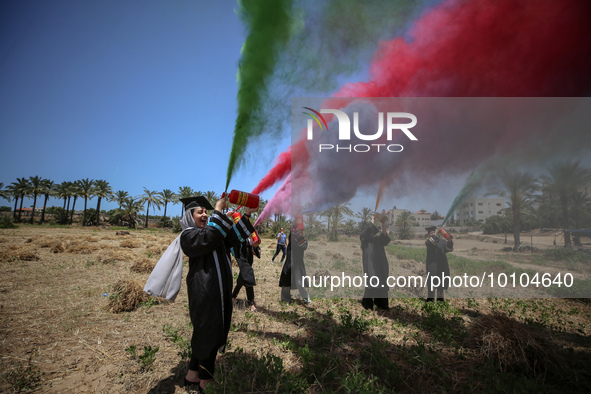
[304, 48]
[269, 27]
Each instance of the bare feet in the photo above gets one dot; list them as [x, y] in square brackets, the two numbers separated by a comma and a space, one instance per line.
[204, 383]
[253, 308]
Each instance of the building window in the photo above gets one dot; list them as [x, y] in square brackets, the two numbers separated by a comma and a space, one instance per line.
[480, 203]
[480, 212]
[498, 204]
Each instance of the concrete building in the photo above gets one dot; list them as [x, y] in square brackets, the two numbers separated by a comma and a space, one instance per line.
[479, 208]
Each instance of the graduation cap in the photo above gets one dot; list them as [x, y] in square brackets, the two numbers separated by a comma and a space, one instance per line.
[194, 202]
[430, 228]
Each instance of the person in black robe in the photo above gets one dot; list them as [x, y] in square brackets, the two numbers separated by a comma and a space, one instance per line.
[375, 264]
[209, 281]
[294, 269]
[246, 278]
[437, 265]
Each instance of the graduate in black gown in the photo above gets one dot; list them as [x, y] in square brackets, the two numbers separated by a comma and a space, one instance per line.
[375, 264]
[437, 265]
[207, 243]
[245, 257]
[294, 269]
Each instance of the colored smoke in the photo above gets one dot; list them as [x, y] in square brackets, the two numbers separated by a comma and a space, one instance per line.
[474, 49]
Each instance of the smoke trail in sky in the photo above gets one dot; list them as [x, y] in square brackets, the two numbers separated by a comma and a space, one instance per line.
[269, 26]
[280, 203]
[300, 47]
[476, 48]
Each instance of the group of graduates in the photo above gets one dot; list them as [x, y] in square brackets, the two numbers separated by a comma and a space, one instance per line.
[375, 264]
[209, 241]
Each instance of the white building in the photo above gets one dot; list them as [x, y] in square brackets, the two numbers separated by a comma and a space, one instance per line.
[478, 209]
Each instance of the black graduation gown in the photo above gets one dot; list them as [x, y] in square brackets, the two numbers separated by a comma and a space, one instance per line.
[294, 261]
[209, 280]
[375, 262]
[437, 258]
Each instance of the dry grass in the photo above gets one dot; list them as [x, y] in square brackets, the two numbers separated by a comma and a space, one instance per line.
[130, 243]
[127, 294]
[18, 253]
[143, 266]
[77, 313]
[515, 346]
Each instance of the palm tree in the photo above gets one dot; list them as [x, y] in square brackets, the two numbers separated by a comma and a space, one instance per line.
[365, 214]
[3, 193]
[563, 180]
[75, 191]
[185, 192]
[120, 196]
[520, 188]
[335, 217]
[211, 197]
[404, 222]
[167, 196]
[151, 197]
[36, 188]
[581, 212]
[48, 190]
[131, 207]
[101, 190]
[12, 191]
[21, 188]
[86, 191]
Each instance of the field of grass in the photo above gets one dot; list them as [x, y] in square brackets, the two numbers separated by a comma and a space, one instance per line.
[74, 319]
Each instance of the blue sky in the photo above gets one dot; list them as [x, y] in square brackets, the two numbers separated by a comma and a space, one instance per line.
[138, 93]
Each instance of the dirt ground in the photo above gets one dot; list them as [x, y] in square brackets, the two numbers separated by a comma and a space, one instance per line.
[55, 286]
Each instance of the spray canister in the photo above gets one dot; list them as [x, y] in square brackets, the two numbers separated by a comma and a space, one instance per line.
[445, 234]
[236, 216]
[256, 240]
[299, 222]
[245, 199]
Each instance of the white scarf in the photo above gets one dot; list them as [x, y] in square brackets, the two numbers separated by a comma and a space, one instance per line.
[166, 277]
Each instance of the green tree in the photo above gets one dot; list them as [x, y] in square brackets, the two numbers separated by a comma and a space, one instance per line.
[562, 182]
[212, 197]
[520, 189]
[131, 207]
[185, 192]
[153, 198]
[86, 191]
[47, 191]
[365, 215]
[167, 196]
[21, 187]
[36, 188]
[404, 224]
[75, 193]
[101, 190]
[335, 217]
[11, 191]
[120, 197]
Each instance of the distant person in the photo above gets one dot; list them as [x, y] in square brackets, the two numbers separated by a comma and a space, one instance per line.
[209, 280]
[281, 238]
[246, 255]
[375, 264]
[437, 265]
[294, 269]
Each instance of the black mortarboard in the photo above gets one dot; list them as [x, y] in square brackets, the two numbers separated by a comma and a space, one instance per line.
[430, 228]
[194, 202]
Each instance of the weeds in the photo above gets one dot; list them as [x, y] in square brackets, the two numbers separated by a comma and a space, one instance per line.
[146, 359]
[184, 344]
[25, 376]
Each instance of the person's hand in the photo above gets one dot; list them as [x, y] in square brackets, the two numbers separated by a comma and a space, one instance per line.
[220, 205]
[252, 210]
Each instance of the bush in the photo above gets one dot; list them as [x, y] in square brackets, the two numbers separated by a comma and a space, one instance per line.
[176, 225]
[6, 222]
[5, 209]
[164, 222]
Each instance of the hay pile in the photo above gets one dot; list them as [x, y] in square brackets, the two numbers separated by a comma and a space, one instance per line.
[126, 296]
[143, 266]
[513, 345]
[130, 243]
[18, 252]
